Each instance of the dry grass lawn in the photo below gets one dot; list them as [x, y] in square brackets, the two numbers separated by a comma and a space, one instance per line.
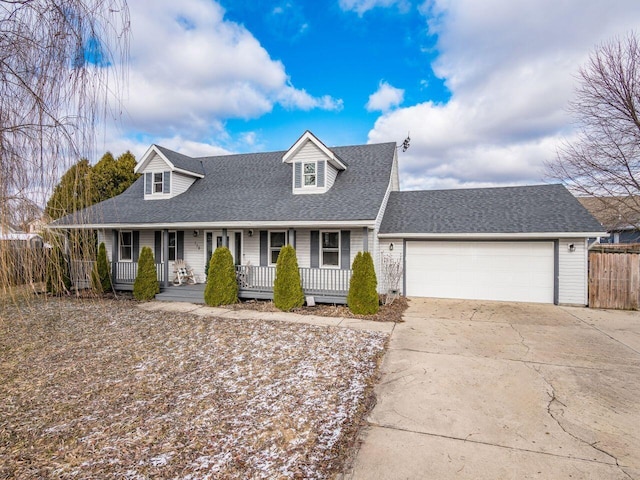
[102, 389]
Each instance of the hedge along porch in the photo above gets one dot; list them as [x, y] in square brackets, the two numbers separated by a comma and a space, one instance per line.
[324, 256]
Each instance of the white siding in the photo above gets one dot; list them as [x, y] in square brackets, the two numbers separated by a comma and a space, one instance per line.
[311, 153]
[375, 246]
[194, 253]
[251, 248]
[572, 275]
[180, 183]
[107, 237]
[156, 164]
[331, 174]
[397, 254]
[303, 248]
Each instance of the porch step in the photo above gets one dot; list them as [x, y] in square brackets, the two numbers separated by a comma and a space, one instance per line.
[186, 293]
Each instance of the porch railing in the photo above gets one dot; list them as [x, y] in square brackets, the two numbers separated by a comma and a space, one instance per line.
[126, 272]
[80, 273]
[315, 281]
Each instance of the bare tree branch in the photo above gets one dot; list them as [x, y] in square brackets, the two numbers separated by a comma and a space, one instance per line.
[603, 160]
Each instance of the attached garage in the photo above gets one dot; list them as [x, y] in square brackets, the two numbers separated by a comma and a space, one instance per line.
[482, 270]
[516, 244]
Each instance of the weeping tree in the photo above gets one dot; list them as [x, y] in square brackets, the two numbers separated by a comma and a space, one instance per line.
[61, 62]
[603, 157]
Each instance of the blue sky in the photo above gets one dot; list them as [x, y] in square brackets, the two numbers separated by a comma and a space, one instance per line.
[482, 86]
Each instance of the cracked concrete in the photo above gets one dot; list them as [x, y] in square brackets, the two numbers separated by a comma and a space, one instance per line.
[486, 390]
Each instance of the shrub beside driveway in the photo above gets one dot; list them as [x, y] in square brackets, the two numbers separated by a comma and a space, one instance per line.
[103, 389]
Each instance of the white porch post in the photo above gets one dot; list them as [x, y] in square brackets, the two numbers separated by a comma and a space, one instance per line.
[114, 256]
[292, 238]
[165, 256]
[224, 238]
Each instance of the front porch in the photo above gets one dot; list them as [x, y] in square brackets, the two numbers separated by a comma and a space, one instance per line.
[254, 282]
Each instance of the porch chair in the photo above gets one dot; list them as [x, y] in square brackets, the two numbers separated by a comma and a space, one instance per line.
[243, 277]
[183, 274]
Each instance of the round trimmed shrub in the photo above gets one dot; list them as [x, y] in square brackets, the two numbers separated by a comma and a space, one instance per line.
[362, 298]
[146, 284]
[222, 286]
[287, 288]
[100, 275]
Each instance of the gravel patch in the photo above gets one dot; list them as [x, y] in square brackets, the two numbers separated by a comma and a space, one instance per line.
[101, 389]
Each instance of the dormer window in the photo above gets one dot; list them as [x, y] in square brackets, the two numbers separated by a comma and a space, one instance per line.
[158, 182]
[315, 167]
[309, 170]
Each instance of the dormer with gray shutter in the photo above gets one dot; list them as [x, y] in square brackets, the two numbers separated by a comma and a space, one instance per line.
[167, 173]
[314, 166]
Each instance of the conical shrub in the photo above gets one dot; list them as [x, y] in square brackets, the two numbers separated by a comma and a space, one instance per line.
[101, 275]
[146, 284]
[362, 298]
[222, 286]
[287, 288]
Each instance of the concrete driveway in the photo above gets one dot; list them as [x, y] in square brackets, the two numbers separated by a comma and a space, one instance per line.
[488, 390]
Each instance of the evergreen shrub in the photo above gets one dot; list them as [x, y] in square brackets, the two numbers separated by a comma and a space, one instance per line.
[287, 288]
[222, 286]
[100, 275]
[362, 298]
[146, 285]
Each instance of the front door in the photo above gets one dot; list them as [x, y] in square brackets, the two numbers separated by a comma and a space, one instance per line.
[213, 240]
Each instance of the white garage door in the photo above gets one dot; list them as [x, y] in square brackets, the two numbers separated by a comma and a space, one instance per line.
[508, 271]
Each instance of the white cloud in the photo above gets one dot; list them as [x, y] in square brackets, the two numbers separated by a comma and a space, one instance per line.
[191, 70]
[510, 68]
[385, 98]
[363, 6]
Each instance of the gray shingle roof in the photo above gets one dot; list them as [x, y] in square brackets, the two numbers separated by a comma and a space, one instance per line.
[182, 161]
[531, 209]
[253, 188]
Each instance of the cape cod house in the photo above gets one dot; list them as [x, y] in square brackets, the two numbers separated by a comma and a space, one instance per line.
[514, 243]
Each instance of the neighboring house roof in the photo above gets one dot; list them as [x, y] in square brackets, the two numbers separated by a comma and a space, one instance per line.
[255, 187]
[615, 213]
[505, 210]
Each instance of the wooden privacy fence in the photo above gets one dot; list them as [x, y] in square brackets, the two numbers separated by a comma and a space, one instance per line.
[614, 280]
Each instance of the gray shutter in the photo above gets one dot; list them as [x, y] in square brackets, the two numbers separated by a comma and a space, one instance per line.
[166, 178]
[298, 175]
[136, 246]
[320, 174]
[157, 245]
[315, 249]
[148, 180]
[180, 245]
[345, 248]
[114, 247]
[264, 248]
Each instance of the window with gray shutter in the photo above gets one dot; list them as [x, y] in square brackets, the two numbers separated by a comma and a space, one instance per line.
[157, 245]
[315, 248]
[264, 248]
[298, 175]
[320, 178]
[148, 183]
[345, 249]
[167, 182]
